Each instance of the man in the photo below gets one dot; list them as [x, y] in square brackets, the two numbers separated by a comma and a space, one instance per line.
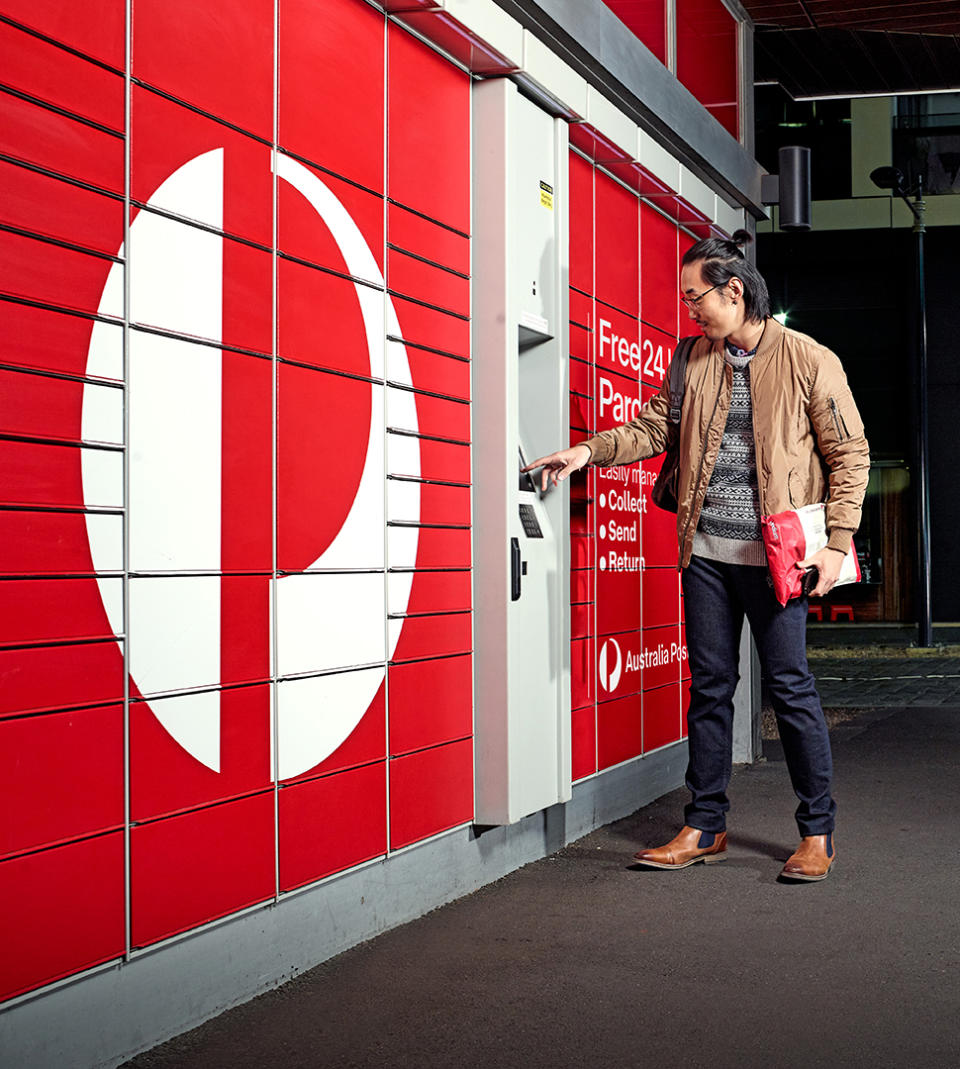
[768, 424]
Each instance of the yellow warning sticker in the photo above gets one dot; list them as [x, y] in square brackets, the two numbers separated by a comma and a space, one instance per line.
[546, 195]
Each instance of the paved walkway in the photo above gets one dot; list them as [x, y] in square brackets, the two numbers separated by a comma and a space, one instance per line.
[583, 960]
[886, 678]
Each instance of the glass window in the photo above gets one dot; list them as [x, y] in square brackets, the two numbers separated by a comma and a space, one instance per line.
[926, 141]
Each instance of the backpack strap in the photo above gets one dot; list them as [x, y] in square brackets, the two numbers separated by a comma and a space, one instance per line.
[677, 373]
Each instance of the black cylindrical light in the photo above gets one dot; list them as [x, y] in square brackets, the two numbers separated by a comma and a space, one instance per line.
[794, 163]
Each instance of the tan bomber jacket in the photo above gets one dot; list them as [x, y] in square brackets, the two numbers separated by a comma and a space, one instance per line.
[808, 435]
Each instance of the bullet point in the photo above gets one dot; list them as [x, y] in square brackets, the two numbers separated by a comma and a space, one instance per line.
[603, 501]
[603, 530]
[603, 564]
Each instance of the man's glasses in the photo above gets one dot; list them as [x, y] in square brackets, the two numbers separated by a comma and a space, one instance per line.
[692, 302]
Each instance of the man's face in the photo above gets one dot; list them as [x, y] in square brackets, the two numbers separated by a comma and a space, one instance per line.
[714, 313]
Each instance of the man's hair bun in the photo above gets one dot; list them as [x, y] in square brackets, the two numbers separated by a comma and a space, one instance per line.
[722, 259]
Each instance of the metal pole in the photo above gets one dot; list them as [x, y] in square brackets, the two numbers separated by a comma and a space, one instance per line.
[923, 475]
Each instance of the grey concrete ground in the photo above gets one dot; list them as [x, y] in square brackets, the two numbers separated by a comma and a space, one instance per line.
[583, 960]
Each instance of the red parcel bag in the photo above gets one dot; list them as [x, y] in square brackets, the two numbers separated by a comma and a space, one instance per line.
[792, 536]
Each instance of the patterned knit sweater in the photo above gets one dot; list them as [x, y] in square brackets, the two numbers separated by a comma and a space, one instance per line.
[729, 528]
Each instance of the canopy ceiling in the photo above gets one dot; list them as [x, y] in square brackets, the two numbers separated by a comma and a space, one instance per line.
[819, 48]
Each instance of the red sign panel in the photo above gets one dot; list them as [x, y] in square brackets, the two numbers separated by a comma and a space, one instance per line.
[627, 700]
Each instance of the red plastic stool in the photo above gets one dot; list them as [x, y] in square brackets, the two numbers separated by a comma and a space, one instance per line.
[836, 611]
[816, 611]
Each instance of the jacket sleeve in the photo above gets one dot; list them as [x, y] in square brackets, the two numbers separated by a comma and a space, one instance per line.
[643, 437]
[843, 446]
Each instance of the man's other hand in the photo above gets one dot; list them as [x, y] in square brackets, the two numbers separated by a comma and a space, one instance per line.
[828, 563]
[559, 465]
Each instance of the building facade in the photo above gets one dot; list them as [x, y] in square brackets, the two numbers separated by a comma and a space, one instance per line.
[237, 681]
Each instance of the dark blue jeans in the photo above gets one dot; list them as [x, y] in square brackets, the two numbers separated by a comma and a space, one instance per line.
[717, 596]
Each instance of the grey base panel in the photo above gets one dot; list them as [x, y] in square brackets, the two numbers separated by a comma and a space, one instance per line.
[108, 1016]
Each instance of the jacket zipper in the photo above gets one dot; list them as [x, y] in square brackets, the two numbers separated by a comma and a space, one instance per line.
[703, 455]
[839, 421]
[761, 490]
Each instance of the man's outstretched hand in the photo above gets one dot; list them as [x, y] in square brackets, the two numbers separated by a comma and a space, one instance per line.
[559, 465]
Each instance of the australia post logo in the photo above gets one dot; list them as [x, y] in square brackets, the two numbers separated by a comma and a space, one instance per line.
[189, 494]
[610, 666]
[658, 655]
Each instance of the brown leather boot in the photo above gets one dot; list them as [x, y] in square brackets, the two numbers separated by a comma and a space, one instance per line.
[689, 847]
[812, 859]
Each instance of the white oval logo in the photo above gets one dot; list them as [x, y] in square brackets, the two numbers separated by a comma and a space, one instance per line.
[175, 456]
[610, 672]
